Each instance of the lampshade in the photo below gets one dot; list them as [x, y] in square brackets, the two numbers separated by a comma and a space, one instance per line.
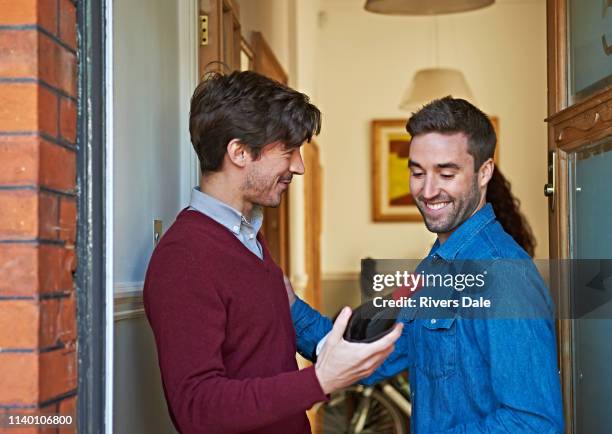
[434, 83]
[424, 7]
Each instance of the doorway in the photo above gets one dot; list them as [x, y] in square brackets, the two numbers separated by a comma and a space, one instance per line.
[580, 173]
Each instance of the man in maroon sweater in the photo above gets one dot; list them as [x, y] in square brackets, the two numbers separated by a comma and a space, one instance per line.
[215, 298]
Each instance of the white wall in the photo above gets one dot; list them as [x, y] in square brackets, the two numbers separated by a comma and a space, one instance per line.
[365, 62]
[146, 122]
[272, 19]
[149, 173]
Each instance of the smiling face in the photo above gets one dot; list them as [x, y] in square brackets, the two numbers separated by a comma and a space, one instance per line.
[269, 176]
[445, 186]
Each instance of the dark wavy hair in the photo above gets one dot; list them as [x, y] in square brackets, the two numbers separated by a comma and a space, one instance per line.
[450, 115]
[507, 211]
[249, 107]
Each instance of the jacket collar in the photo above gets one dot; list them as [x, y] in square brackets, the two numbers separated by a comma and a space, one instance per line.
[463, 234]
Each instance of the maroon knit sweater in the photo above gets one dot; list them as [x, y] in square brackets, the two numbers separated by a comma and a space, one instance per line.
[225, 341]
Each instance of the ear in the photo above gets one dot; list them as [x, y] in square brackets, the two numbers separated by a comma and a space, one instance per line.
[238, 153]
[486, 172]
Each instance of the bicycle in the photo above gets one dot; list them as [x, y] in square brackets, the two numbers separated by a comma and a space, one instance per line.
[384, 408]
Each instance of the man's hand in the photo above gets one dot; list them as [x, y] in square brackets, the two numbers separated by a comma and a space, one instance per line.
[342, 363]
[290, 291]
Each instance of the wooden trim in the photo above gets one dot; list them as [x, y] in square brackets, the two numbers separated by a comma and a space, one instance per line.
[266, 62]
[233, 7]
[127, 301]
[313, 202]
[558, 216]
[128, 305]
[556, 16]
[585, 122]
[214, 50]
[245, 48]
[570, 127]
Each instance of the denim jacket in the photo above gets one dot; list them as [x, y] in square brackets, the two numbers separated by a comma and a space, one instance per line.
[472, 375]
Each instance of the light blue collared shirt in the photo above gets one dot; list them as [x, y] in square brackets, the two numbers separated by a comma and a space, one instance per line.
[245, 230]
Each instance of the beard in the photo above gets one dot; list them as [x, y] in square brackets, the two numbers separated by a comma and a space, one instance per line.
[461, 209]
[263, 190]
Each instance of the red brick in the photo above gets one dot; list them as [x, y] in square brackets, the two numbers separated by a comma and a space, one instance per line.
[57, 167]
[18, 12]
[19, 156]
[48, 216]
[47, 15]
[67, 72]
[67, 407]
[27, 107]
[19, 323]
[18, 214]
[48, 410]
[18, 107]
[33, 54]
[68, 120]
[23, 12]
[58, 373]
[55, 267]
[47, 111]
[28, 429]
[18, 53]
[68, 220]
[29, 269]
[57, 65]
[57, 321]
[48, 56]
[19, 269]
[67, 23]
[19, 379]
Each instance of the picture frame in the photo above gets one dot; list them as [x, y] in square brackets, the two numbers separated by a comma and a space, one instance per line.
[391, 198]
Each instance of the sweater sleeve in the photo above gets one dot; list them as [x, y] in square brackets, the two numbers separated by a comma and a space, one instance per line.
[189, 319]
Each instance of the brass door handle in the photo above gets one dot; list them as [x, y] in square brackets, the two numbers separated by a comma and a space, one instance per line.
[549, 190]
[549, 187]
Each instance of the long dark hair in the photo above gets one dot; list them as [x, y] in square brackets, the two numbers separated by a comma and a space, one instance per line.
[506, 208]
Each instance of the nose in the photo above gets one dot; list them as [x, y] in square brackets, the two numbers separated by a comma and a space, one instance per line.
[297, 164]
[430, 187]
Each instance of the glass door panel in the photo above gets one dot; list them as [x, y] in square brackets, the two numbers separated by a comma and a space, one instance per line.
[590, 45]
[591, 205]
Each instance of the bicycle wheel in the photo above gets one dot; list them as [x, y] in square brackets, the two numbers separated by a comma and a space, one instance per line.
[337, 416]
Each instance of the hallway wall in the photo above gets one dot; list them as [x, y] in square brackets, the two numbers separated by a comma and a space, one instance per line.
[147, 184]
[365, 62]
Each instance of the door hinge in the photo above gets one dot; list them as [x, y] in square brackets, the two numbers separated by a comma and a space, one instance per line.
[203, 29]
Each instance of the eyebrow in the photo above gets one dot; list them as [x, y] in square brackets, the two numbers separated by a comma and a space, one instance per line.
[448, 166]
[412, 163]
[455, 166]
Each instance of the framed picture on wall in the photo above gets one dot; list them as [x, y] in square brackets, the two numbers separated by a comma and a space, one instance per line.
[391, 197]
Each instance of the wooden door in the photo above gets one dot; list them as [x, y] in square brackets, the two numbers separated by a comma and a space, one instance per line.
[220, 44]
[276, 220]
[313, 201]
[579, 145]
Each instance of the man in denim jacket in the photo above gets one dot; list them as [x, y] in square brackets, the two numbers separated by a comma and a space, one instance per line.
[467, 375]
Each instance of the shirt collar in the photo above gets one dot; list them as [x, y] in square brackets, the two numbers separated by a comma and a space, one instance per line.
[464, 233]
[224, 214]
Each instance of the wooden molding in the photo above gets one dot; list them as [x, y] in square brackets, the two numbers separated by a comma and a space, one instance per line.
[266, 62]
[127, 301]
[584, 122]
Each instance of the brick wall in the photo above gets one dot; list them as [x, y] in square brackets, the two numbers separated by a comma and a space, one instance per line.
[38, 118]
